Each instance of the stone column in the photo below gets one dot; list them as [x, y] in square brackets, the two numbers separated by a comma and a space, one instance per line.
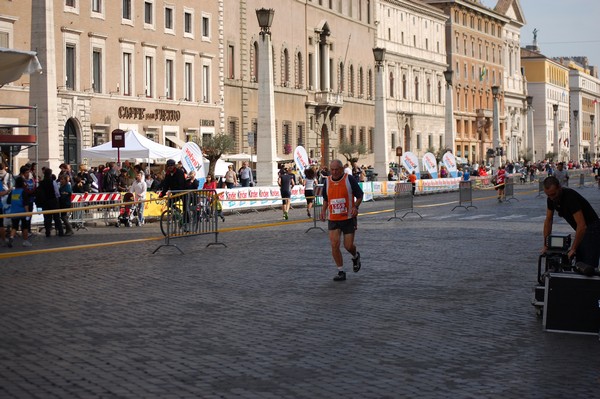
[42, 91]
[381, 144]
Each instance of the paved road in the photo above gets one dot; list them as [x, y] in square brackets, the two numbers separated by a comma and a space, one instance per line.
[440, 309]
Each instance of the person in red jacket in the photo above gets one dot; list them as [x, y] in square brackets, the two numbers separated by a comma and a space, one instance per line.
[500, 182]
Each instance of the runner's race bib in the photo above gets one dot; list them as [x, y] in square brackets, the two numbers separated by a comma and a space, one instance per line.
[338, 206]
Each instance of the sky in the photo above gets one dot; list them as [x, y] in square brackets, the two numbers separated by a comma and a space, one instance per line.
[565, 27]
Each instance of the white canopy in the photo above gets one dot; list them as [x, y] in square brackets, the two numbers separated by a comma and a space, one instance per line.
[136, 146]
[14, 63]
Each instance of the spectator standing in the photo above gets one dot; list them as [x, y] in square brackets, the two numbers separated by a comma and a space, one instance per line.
[110, 179]
[562, 175]
[191, 183]
[412, 178]
[139, 189]
[19, 204]
[174, 178]
[246, 175]
[47, 198]
[230, 177]
[122, 181]
[64, 201]
[85, 178]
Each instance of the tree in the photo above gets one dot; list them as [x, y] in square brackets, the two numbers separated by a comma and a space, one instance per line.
[348, 150]
[214, 147]
[551, 155]
[526, 155]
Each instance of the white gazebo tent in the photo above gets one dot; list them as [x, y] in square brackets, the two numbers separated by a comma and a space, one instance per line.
[136, 147]
[14, 63]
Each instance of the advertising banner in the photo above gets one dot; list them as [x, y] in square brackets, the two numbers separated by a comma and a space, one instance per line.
[411, 163]
[430, 164]
[191, 159]
[301, 159]
[450, 163]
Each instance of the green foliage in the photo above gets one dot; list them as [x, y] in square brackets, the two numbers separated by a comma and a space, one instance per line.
[214, 147]
[348, 150]
[551, 156]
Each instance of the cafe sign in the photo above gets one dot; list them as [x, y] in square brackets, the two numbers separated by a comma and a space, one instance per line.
[164, 115]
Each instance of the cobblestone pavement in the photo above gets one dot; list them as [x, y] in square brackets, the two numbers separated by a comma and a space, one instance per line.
[440, 309]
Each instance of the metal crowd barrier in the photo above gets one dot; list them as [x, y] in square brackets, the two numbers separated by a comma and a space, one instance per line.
[105, 213]
[403, 200]
[317, 208]
[465, 195]
[509, 190]
[190, 213]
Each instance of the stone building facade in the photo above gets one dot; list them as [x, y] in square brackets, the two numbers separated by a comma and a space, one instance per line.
[146, 65]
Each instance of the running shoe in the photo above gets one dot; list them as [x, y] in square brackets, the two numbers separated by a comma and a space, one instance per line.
[27, 243]
[356, 262]
[341, 276]
[285, 215]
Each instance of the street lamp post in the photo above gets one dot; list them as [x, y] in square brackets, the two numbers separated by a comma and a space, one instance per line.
[449, 139]
[574, 139]
[530, 132]
[266, 169]
[380, 140]
[593, 140]
[556, 146]
[496, 127]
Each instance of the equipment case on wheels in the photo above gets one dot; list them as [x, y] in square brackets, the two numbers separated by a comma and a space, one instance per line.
[572, 303]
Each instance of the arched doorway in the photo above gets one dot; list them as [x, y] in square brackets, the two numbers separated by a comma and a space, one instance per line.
[407, 138]
[325, 146]
[71, 144]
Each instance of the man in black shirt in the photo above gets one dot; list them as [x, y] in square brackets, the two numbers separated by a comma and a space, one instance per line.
[174, 178]
[580, 215]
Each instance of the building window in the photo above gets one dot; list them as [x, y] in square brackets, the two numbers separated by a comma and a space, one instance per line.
[404, 86]
[311, 78]
[97, 71]
[351, 82]
[70, 3]
[70, 66]
[127, 9]
[428, 90]
[232, 131]
[416, 88]
[371, 136]
[341, 80]
[353, 135]
[370, 84]
[343, 137]
[255, 70]
[96, 5]
[148, 77]
[419, 142]
[4, 39]
[205, 83]
[361, 136]
[231, 61]
[300, 134]
[187, 22]
[439, 92]
[127, 71]
[287, 137]
[299, 71]
[169, 79]
[205, 27]
[286, 68]
[148, 12]
[361, 83]
[391, 84]
[168, 18]
[188, 83]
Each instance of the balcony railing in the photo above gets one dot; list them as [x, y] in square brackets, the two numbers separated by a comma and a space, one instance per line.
[327, 98]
